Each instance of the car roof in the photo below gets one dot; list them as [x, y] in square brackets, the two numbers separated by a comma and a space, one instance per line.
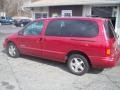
[84, 18]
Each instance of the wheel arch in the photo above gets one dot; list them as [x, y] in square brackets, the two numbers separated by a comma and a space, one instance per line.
[10, 41]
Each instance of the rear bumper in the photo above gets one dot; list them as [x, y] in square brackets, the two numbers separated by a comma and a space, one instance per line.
[105, 62]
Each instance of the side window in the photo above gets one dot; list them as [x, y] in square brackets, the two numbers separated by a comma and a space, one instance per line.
[34, 28]
[54, 28]
[79, 28]
[72, 28]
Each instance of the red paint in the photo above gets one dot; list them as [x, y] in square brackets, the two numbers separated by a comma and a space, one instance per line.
[101, 51]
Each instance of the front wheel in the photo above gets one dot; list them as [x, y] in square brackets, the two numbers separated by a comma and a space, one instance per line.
[78, 64]
[12, 50]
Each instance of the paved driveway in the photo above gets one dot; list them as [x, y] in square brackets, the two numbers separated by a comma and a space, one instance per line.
[28, 73]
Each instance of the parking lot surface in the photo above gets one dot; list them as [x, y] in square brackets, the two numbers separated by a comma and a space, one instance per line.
[29, 73]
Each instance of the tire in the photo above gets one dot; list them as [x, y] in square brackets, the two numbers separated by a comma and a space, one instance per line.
[12, 50]
[78, 64]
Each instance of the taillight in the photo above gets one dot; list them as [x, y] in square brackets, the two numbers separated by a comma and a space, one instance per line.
[108, 51]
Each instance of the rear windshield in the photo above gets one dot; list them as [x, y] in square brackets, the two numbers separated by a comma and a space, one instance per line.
[110, 32]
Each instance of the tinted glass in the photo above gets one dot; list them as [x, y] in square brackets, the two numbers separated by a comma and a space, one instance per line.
[54, 28]
[109, 29]
[72, 28]
[33, 29]
[79, 28]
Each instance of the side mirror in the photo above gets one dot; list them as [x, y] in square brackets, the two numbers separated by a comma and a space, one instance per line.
[20, 33]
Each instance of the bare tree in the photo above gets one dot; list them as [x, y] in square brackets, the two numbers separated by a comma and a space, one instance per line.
[1, 4]
[12, 7]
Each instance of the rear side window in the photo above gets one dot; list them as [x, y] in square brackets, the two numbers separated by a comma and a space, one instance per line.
[110, 32]
[72, 28]
[54, 28]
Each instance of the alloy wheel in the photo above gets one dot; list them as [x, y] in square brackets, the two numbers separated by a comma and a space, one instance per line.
[77, 65]
[12, 50]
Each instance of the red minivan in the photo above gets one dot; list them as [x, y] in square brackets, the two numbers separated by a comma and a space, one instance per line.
[82, 43]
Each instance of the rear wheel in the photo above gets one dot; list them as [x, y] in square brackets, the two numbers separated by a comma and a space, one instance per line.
[12, 50]
[78, 64]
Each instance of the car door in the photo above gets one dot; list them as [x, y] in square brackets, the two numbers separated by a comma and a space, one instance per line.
[54, 45]
[30, 39]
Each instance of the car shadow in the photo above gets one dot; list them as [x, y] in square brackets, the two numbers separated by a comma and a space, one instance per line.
[60, 65]
[95, 71]
[46, 61]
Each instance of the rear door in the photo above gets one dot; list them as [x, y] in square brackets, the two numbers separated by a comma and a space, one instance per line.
[53, 44]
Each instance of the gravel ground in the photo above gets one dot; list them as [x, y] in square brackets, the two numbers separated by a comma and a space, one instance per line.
[29, 73]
